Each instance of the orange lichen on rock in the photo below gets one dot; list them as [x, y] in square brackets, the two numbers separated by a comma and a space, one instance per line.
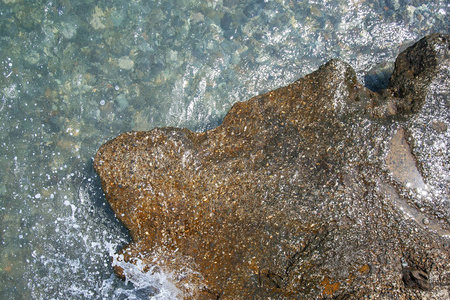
[329, 288]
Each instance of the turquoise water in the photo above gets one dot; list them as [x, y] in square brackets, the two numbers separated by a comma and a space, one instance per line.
[77, 73]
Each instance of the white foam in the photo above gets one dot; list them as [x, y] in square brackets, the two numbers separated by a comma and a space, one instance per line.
[153, 280]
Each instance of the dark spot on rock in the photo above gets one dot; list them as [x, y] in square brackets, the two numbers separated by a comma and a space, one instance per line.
[416, 278]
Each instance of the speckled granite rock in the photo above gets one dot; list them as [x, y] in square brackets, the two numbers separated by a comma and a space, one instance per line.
[320, 189]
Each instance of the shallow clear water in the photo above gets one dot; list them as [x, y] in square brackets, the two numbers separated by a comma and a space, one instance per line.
[77, 73]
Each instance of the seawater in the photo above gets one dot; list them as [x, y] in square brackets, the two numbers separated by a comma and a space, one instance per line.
[75, 74]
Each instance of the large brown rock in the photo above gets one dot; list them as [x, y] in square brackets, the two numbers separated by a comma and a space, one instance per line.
[320, 189]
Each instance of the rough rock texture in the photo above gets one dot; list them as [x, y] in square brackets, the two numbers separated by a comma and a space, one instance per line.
[320, 189]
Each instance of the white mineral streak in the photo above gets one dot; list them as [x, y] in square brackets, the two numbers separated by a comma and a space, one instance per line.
[401, 162]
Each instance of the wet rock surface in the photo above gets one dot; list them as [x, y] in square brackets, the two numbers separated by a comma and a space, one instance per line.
[320, 189]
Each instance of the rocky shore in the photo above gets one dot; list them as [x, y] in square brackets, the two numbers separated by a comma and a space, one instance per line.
[322, 189]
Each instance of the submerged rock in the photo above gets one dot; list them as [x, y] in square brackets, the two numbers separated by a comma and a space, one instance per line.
[315, 190]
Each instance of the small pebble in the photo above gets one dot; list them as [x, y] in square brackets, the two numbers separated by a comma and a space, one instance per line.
[125, 63]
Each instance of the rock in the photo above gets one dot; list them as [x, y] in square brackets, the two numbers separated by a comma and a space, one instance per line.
[291, 196]
[125, 63]
[98, 19]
